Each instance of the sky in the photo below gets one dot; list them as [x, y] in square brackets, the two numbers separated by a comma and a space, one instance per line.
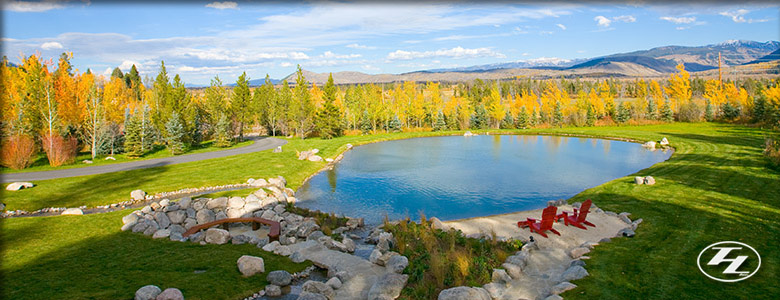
[201, 40]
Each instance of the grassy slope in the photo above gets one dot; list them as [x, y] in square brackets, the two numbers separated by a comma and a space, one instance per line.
[87, 257]
[716, 187]
[42, 163]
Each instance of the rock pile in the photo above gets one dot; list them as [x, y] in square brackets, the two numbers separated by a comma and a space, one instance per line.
[648, 180]
[152, 292]
[310, 155]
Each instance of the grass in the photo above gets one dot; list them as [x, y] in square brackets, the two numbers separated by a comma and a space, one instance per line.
[41, 163]
[442, 259]
[716, 187]
[87, 257]
[327, 221]
[228, 194]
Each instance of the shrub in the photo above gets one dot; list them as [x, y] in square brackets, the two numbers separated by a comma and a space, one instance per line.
[17, 152]
[772, 151]
[690, 112]
[59, 150]
[730, 112]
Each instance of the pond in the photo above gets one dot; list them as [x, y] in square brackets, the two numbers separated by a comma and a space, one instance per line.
[454, 177]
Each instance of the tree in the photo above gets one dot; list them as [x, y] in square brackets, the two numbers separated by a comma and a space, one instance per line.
[666, 112]
[623, 113]
[508, 122]
[240, 103]
[590, 116]
[95, 121]
[223, 134]
[440, 124]
[522, 118]
[679, 89]
[302, 110]
[161, 99]
[174, 130]
[365, 123]
[133, 144]
[273, 110]
[558, 115]
[480, 118]
[329, 116]
[495, 109]
[709, 113]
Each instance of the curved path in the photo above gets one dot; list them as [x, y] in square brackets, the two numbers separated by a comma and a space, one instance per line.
[260, 144]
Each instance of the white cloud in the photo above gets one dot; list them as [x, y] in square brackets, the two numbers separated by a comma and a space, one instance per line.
[223, 5]
[602, 21]
[543, 32]
[359, 46]
[25, 6]
[679, 20]
[51, 45]
[563, 27]
[738, 16]
[128, 64]
[286, 64]
[329, 54]
[627, 19]
[457, 52]
[681, 28]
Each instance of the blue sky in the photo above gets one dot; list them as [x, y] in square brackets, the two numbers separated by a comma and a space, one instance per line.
[199, 40]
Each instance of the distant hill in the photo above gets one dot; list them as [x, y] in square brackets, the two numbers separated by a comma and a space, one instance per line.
[770, 57]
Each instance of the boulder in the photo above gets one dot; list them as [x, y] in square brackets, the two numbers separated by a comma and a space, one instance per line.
[18, 186]
[72, 212]
[664, 142]
[240, 239]
[436, 223]
[161, 233]
[464, 293]
[574, 273]
[128, 226]
[334, 283]
[562, 287]
[189, 223]
[250, 265]
[199, 204]
[217, 236]
[131, 218]
[579, 251]
[500, 276]
[148, 292]
[220, 202]
[234, 212]
[204, 216]
[350, 244]
[139, 227]
[177, 216]
[624, 217]
[138, 195]
[519, 259]
[235, 202]
[311, 296]
[176, 237]
[185, 202]
[513, 270]
[278, 149]
[382, 261]
[553, 297]
[397, 264]
[273, 290]
[171, 294]
[388, 286]
[317, 287]
[626, 232]
[636, 223]
[297, 257]
[349, 146]
[314, 158]
[649, 145]
[283, 250]
[252, 206]
[270, 247]
[495, 290]
[220, 215]
[577, 262]
[314, 236]
[279, 278]
[162, 219]
[155, 206]
[649, 180]
[639, 180]
[307, 228]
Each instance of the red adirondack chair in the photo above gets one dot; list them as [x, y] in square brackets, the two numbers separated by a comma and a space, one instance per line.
[577, 218]
[548, 218]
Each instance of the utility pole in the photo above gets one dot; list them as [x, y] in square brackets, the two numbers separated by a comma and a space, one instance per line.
[720, 71]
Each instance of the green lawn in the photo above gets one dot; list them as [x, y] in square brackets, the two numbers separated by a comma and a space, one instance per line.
[716, 187]
[42, 163]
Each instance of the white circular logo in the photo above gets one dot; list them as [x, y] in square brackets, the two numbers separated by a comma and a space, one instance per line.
[728, 257]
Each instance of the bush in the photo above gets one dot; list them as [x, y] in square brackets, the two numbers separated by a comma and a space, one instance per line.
[17, 152]
[60, 150]
[772, 151]
[730, 112]
[690, 112]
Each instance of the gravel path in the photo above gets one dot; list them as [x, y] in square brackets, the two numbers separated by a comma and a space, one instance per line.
[260, 144]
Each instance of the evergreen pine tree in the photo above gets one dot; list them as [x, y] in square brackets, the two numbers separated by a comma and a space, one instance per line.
[666, 112]
[174, 130]
[709, 114]
[590, 117]
[365, 123]
[223, 134]
[533, 120]
[480, 118]
[394, 125]
[623, 113]
[440, 124]
[652, 109]
[133, 146]
[522, 118]
[508, 122]
[148, 133]
[558, 115]
[329, 117]
[761, 109]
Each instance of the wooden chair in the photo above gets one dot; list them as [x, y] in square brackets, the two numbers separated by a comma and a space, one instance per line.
[548, 218]
[577, 218]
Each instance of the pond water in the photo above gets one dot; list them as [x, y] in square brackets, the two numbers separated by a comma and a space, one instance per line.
[454, 177]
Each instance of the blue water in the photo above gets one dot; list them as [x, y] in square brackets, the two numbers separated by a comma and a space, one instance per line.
[456, 177]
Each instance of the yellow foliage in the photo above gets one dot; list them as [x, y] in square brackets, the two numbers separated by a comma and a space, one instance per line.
[679, 87]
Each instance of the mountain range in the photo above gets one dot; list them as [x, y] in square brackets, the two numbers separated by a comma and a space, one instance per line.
[654, 62]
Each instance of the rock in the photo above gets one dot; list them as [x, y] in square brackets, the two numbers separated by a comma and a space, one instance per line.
[177, 216]
[579, 251]
[217, 236]
[140, 227]
[626, 232]
[155, 206]
[278, 149]
[624, 218]
[350, 244]
[353, 223]
[253, 206]
[185, 202]
[500, 276]
[235, 202]
[520, 259]
[639, 180]
[297, 257]
[436, 223]
[220, 202]
[18, 186]
[138, 195]
[148, 292]
[388, 286]
[495, 290]
[234, 213]
[197, 237]
[279, 278]
[605, 240]
[468, 133]
[636, 223]
[574, 273]
[649, 180]
[649, 145]
[220, 215]
[315, 236]
[317, 287]
[161, 233]
[664, 142]
[311, 296]
[397, 264]
[279, 209]
[189, 223]
[304, 154]
[273, 290]
[240, 239]
[128, 226]
[250, 265]
[562, 287]
[307, 228]
[315, 158]
[271, 246]
[151, 229]
[553, 297]
[165, 202]
[334, 283]
[72, 212]
[283, 250]
[110, 158]
[464, 293]
[176, 237]
[86, 161]
[577, 262]
[162, 219]
[382, 260]
[171, 294]
[199, 204]
[513, 270]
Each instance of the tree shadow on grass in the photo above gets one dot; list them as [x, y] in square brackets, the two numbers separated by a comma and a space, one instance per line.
[744, 140]
[660, 261]
[115, 265]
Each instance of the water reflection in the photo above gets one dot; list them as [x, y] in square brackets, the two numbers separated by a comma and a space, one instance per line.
[457, 177]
